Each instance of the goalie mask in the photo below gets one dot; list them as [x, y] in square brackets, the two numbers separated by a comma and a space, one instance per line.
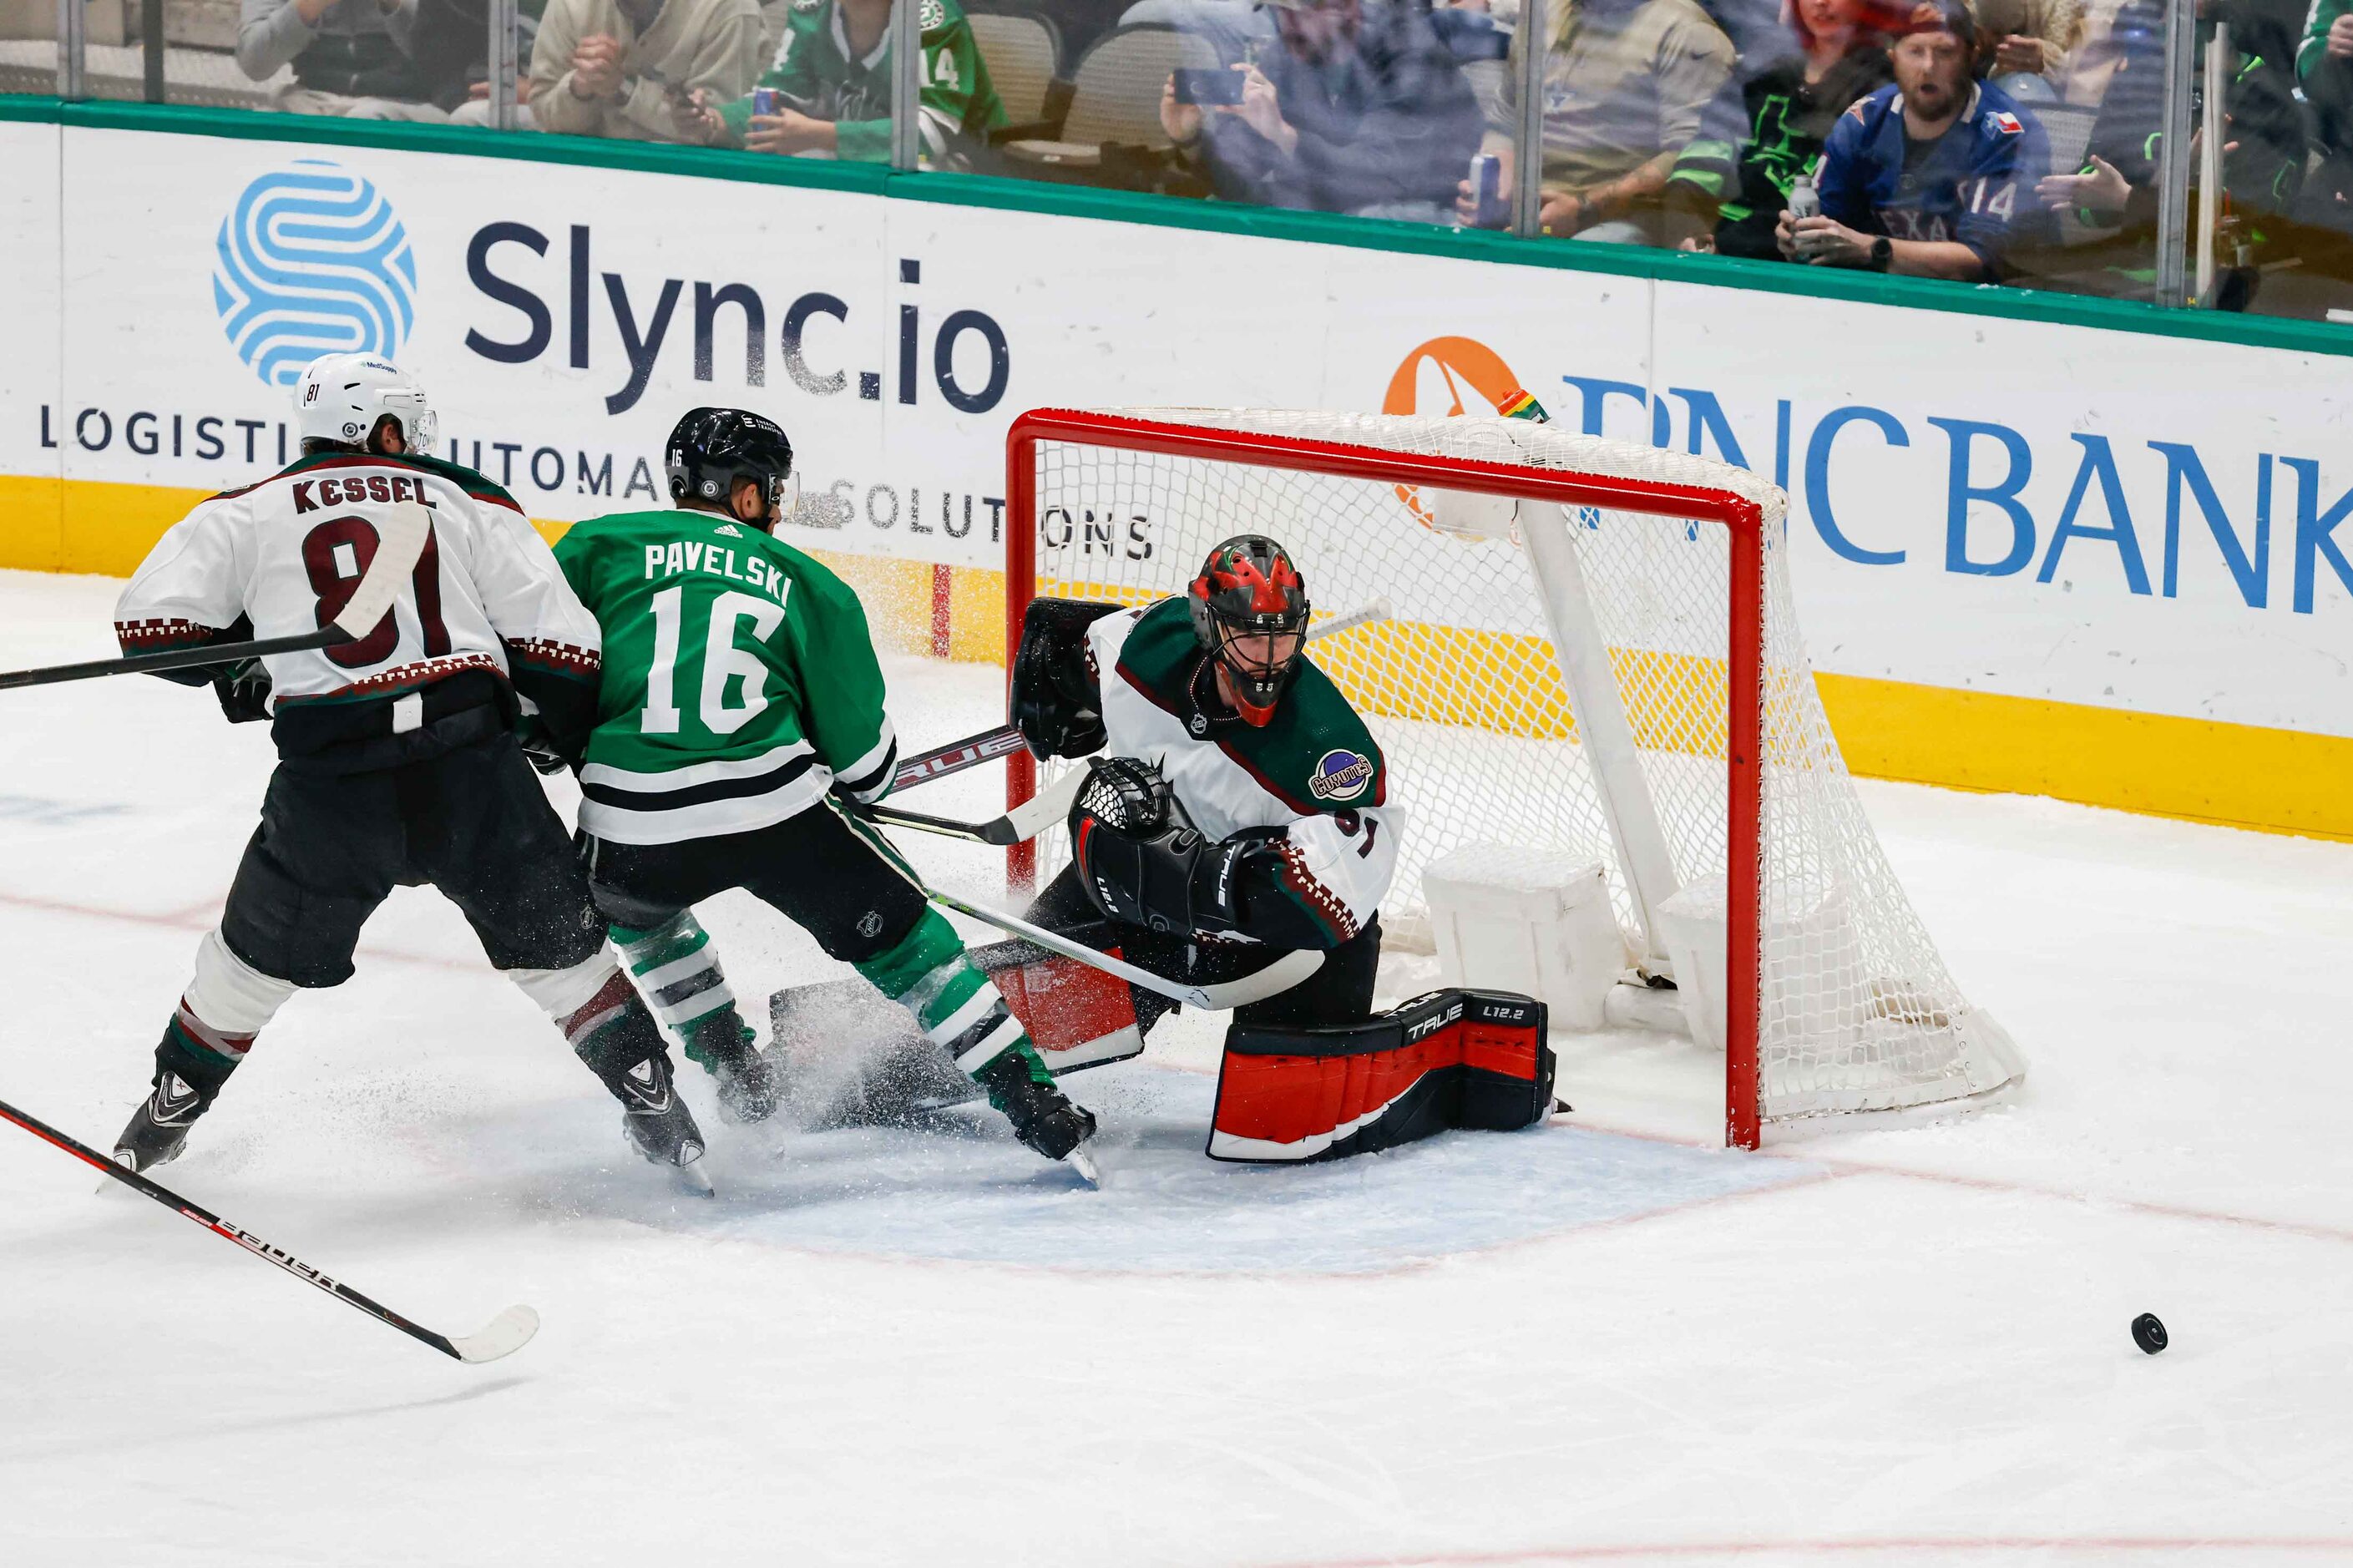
[710, 449]
[341, 398]
[1250, 611]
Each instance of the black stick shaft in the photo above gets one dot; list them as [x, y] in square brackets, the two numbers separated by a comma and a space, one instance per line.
[968, 752]
[177, 658]
[219, 1226]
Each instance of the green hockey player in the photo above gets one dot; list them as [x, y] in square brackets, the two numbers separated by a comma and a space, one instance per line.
[741, 704]
[828, 89]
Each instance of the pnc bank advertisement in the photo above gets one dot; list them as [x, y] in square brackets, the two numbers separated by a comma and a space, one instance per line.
[2134, 524]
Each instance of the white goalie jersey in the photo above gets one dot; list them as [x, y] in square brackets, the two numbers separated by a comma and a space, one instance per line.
[279, 557]
[1314, 771]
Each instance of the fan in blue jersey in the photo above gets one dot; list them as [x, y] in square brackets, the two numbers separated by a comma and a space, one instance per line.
[1932, 176]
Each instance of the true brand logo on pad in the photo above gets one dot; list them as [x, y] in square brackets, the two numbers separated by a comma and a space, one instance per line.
[312, 261]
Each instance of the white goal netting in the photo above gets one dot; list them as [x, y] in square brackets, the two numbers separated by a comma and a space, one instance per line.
[1496, 611]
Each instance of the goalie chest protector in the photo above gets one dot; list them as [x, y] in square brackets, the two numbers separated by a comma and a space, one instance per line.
[1450, 1058]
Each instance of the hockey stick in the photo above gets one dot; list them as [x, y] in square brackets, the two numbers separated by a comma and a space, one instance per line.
[401, 530]
[1005, 740]
[968, 752]
[1041, 811]
[1218, 996]
[505, 1334]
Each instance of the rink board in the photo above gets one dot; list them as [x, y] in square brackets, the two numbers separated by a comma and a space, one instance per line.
[2029, 556]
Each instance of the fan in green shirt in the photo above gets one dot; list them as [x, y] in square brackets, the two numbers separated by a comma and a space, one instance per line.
[740, 724]
[830, 87]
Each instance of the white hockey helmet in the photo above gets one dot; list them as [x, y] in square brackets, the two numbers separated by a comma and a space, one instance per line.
[341, 397]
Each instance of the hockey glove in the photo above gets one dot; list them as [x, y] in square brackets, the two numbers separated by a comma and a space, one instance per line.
[539, 749]
[244, 692]
[1057, 703]
[1143, 867]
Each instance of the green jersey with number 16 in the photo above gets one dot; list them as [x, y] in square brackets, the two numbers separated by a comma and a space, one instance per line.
[739, 685]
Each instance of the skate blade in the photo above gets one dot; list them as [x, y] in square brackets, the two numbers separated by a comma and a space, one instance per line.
[692, 1180]
[1083, 1163]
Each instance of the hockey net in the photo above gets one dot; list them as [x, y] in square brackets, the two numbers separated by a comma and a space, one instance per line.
[1511, 564]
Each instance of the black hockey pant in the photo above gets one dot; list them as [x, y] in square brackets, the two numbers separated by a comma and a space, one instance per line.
[472, 822]
[813, 868]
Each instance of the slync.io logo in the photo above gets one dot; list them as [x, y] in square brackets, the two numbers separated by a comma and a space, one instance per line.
[314, 260]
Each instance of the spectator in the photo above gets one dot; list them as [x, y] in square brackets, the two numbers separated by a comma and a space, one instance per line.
[623, 67]
[2026, 46]
[350, 56]
[1924, 176]
[1731, 189]
[2263, 159]
[1626, 83]
[1360, 109]
[1238, 30]
[831, 78]
[2323, 67]
[450, 44]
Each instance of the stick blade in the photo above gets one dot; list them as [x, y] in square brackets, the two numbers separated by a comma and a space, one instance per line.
[503, 1336]
[401, 530]
[1049, 808]
[1280, 975]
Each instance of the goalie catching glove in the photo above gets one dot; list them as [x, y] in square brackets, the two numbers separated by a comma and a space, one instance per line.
[1056, 694]
[1144, 864]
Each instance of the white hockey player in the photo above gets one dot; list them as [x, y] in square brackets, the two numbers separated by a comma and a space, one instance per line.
[1239, 809]
[399, 763]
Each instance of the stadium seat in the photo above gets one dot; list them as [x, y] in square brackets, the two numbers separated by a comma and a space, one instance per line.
[1024, 53]
[1115, 98]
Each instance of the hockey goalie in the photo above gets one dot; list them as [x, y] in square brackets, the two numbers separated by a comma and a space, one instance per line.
[1236, 808]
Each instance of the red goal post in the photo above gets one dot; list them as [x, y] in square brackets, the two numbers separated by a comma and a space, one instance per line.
[1739, 515]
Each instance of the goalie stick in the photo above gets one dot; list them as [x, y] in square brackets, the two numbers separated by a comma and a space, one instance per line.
[503, 1335]
[1041, 811]
[401, 530]
[1005, 740]
[1218, 996]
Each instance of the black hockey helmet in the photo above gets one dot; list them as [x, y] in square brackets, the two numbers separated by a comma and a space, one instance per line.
[710, 449]
[1250, 610]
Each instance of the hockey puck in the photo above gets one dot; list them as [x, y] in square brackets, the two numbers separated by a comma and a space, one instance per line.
[2148, 1333]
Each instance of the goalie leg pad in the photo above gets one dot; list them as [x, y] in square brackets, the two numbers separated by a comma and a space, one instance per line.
[1450, 1058]
[1077, 1015]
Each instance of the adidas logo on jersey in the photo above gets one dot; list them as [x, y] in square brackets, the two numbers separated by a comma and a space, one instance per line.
[730, 529]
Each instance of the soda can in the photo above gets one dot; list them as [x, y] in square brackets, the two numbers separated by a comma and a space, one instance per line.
[1487, 191]
[763, 100]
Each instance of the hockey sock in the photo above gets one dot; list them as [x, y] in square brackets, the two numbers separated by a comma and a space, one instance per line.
[612, 1031]
[677, 972]
[225, 1005]
[603, 1020]
[187, 1054]
[957, 1006]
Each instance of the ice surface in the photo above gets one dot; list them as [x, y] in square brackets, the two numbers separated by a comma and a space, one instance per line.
[1604, 1340]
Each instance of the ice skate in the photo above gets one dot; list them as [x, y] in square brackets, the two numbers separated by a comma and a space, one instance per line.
[751, 1081]
[158, 1129]
[1043, 1116]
